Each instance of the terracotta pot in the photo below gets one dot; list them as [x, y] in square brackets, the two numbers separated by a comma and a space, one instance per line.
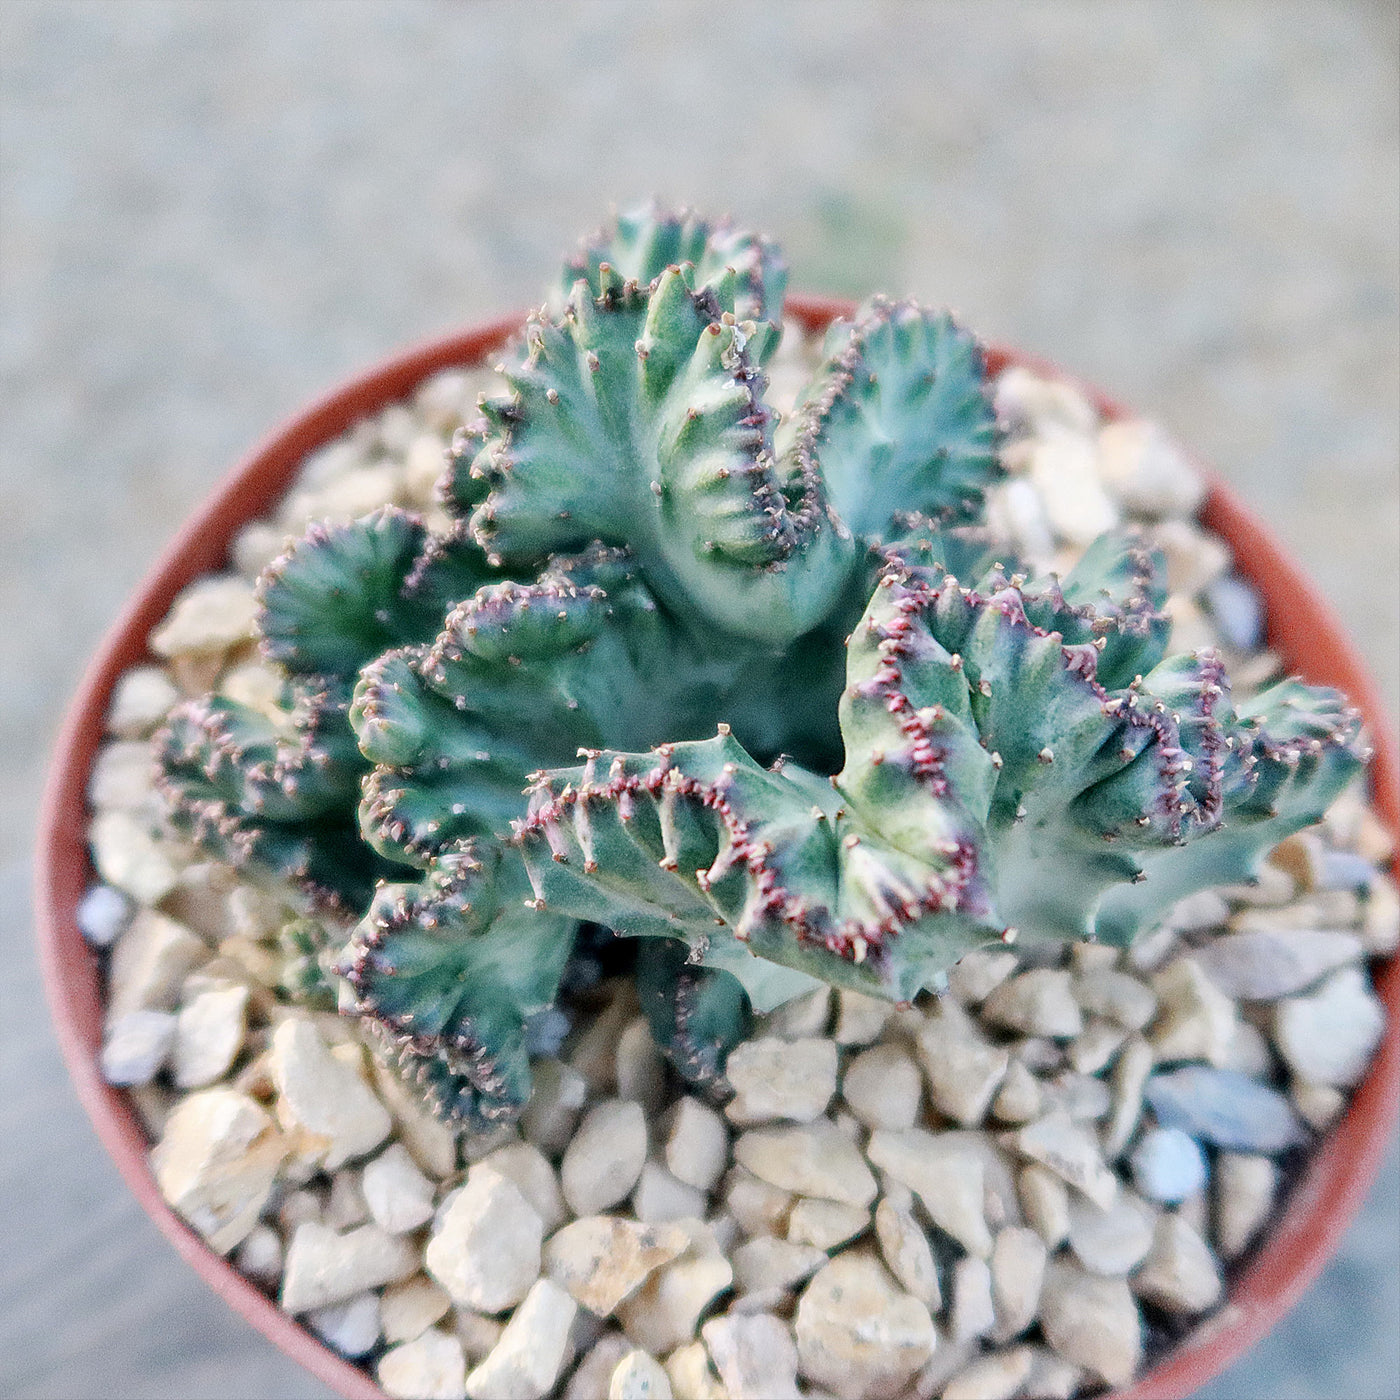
[1300, 625]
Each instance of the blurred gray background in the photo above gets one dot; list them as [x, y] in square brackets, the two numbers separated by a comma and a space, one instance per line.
[211, 211]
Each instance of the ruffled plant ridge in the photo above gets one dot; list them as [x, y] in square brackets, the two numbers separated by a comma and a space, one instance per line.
[761, 692]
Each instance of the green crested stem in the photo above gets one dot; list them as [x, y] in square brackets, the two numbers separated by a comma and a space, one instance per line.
[994, 787]
[636, 418]
[643, 242]
[897, 420]
[696, 1014]
[520, 678]
[445, 973]
[308, 957]
[343, 594]
[274, 790]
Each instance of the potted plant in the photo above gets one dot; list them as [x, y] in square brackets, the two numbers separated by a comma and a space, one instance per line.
[633, 597]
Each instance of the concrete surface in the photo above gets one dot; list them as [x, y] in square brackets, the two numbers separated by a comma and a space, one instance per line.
[210, 211]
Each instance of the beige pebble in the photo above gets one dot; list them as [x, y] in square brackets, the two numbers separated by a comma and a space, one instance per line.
[780, 1079]
[216, 1162]
[1245, 1184]
[659, 1197]
[209, 1035]
[810, 1159]
[963, 1069]
[1018, 1269]
[485, 1246]
[324, 1096]
[1180, 1274]
[430, 1142]
[1064, 469]
[995, 1377]
[807, 1015]
[602, 1163]
[972, 1312]
[948, 1179]
[556, 1102]
[1019, 1099]
[324, 1266]
[857, 1333]
[1146, 472]
[691, 1376]
[755, 1356]
[1051, 1377]
[766, 1262]
[1039, 1002]
[978, 974]
[859, 1019]
[697, 1143]
[213, 614]
[1318, 1105]
[1380, 921]
[663, 1313]
[1111, 1242]
[1129, 1075]
[149, 964]
[826, 1224]
[594, 1054]
[1091, 1321]
[136, 1046]
[1045, 1200]
[1070, 1152]
[1197, 1020]
[533, 1348]
[592, 1375]
[638, 1376]
[123, 776]
[1328, 1037]
[905, 1249]
[409, 1308]
[1195, 557]
[525, 1165]
[430, 1367]
[1117, 996]
[477, 1333]
[1026, 401]
[602, 1259]
[640, 1069]
[759, 1207]
[397, 1194]
[347, 1205]
[141, 699]
[883, 1087]
[1096, 1048]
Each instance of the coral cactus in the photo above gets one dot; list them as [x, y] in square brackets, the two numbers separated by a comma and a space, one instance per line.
[639, 551]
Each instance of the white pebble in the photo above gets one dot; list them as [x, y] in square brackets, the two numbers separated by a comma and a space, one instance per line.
[399, 1196]
[136, 1047]
[352, 1327]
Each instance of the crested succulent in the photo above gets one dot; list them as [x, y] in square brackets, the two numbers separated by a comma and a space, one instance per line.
[638, 553]
[1021, 761]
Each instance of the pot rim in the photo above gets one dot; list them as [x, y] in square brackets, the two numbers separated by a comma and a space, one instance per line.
[1301, 624]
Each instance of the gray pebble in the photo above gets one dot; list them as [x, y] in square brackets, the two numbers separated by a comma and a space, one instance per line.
[103, 914]
[1238, 611]
[1168, 1165]
[545, 1032]
[1224, 1108]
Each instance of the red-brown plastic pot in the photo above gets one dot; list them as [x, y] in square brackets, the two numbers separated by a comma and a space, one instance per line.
[1300, 625]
